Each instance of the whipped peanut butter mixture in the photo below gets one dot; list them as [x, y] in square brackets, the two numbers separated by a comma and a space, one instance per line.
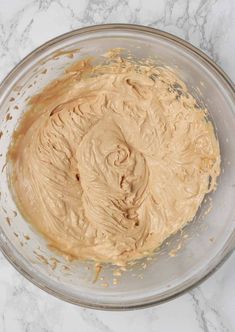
[110, 160]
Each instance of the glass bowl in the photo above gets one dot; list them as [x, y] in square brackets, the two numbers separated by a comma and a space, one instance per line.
[183, 260]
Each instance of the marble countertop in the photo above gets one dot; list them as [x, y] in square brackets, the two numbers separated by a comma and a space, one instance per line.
[209, 25]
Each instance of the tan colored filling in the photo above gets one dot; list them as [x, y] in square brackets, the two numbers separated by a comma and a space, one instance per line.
[111, 160]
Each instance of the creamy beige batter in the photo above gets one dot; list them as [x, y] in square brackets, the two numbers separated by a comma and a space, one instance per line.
[111, 160]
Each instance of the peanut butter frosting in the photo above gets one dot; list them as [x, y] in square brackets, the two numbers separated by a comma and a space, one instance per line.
[112, 159]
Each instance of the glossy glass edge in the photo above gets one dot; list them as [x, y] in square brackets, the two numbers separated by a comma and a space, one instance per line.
[229, 245]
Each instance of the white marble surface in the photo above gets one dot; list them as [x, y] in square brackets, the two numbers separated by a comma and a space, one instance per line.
[208, 24]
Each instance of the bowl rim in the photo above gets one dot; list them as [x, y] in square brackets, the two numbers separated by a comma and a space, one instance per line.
[229, 246]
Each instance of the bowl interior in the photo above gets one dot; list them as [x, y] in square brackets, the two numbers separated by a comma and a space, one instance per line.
[183, 259]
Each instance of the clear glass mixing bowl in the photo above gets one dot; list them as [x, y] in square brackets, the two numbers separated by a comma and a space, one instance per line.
[186, 258]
